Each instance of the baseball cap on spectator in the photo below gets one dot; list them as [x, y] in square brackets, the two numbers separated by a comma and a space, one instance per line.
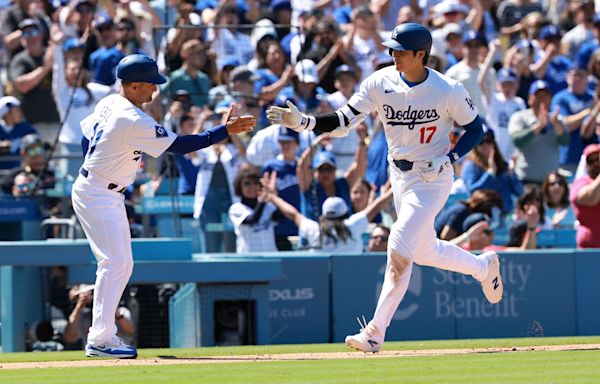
[182, 95]
[280, 5]
[72, 43]
[85, 6]
[592, 148]
[288, 134]
[473, 219]
[103, 20]
[323, 158]
[334, 208]
[539, 85]
[450, 6]
[242, 73]
[344, 68]
[506, 74]
[30, 140]
[452, 28]
[29, 23]
[487, 131]
[230, 62]
[306, 71]
[471, 36]
[263, 28]
[550, 32]
[6, 103]
[578, 66]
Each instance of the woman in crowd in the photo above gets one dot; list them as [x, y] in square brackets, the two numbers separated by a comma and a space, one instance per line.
[556, 200]
[485, 168]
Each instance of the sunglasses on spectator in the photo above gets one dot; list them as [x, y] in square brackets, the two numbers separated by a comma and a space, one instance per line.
[105, 29]
[24, 186]
[31, 33]
[380, 237]
[591, 160]
[33, 151]
[555, 183]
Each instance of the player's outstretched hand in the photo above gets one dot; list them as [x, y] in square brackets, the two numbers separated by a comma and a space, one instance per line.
[290, 117]
[437, 165]
[238, 124]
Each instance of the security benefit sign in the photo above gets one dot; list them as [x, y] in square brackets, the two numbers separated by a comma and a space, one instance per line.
[299, 303]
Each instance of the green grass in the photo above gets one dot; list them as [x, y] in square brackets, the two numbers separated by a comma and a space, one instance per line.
[518, 367]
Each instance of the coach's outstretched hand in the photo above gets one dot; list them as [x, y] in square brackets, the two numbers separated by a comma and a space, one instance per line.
[238, 124]
[290, 117]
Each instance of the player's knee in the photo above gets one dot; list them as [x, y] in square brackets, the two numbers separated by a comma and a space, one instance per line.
[398, 264]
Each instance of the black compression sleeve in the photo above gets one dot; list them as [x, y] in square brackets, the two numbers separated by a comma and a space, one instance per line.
[327, 122]
[255, 216]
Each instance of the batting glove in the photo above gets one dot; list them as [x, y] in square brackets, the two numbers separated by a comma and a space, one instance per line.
[435, 168]
[290, 117]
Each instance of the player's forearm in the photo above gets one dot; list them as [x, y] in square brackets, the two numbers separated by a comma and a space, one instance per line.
[191, 143]
[471, 137]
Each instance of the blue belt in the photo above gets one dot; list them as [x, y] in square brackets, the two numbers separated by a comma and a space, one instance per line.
[84, 172]
[404, 165]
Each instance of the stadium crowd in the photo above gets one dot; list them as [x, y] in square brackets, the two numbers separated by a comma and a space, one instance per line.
[531, 68]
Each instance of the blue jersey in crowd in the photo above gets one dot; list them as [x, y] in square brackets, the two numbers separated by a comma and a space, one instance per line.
[19, 130]
[307, 199]
[556, 73]
[188, 173]
[570, 104]
[287, 189]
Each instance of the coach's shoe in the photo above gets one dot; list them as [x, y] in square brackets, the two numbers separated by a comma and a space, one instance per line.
[115, 349]
[367, 340]
[492, 284]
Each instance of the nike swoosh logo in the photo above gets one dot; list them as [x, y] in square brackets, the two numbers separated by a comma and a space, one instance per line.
[388, 90]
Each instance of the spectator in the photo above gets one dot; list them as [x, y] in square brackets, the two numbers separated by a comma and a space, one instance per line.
[10, 19]
[304, 90]
[75, 18]
[41, 338]
[252, 215]
[449, 222]
[273, 73]
[585, 197]
[361, 194]
[468, 69]
[190, 77]
[76, 97]
[531, 200]
[364, 41]
[80, 318]
[574, 104]
[501, 105]
[320, 182]
[176, 36]
[33, 155]
[556, 200]
[387, 10]
[587, 49]
[537, 135]
[335, 230]
[30, 72]
[582, 32]
[345, 147]
[379, 239]
[485, 168]
[23, 184]
[12, 128]
[511, 12]
[106, 36]
[520, 57]
[549, 64]
[229, 42]
[188, 172]
[284, 165]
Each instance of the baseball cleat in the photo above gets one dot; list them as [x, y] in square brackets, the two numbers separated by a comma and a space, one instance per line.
[366, 340]
[115, 349]
[492, 284]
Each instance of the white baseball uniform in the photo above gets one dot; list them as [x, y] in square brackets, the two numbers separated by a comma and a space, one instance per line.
[417, 122]
[118, 133]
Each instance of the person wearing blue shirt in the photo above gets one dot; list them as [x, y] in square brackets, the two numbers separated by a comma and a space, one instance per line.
[188, 172]
[574, 104]
[585, 52]
[549, 64]
[12, 128]
[304, 89]
[287, 183]
[485, 168]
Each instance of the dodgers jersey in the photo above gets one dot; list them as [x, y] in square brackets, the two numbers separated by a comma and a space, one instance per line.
[119, 132]
[417, 120]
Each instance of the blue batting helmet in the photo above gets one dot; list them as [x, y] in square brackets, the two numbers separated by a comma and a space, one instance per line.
[409, 37]
[139, 68]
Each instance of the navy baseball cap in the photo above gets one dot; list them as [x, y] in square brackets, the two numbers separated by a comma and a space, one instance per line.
[72, 43]
[473, 219]
[103, 20]
[539, 85]
[344, 68]
[470, 36]
[287, 134]
[323, 158]
[410, 37]
[506, 74]
[280, 5]
[550, 32]
[139, 68]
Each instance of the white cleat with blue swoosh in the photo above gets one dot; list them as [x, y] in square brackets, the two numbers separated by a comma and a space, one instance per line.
[116, 349]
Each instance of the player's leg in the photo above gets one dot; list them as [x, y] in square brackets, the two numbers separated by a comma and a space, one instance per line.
[104, 221]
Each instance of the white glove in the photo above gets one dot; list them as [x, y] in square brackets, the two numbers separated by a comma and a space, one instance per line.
[290, 117]
[436, 167]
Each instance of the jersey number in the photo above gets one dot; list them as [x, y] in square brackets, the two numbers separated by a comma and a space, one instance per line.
[427, 134]
[96, 135]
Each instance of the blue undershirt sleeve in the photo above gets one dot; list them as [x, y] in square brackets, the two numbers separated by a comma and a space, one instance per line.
[85, 143]
[191, 143]
[471, 137]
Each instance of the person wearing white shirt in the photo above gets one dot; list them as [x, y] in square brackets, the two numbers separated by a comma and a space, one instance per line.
[229, 43]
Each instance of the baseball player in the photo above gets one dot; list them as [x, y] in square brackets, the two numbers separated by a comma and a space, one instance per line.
[418, 107]
[115, 136]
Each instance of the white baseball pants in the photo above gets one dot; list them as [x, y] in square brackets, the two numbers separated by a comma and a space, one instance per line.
[413, 239]
[102, 215]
